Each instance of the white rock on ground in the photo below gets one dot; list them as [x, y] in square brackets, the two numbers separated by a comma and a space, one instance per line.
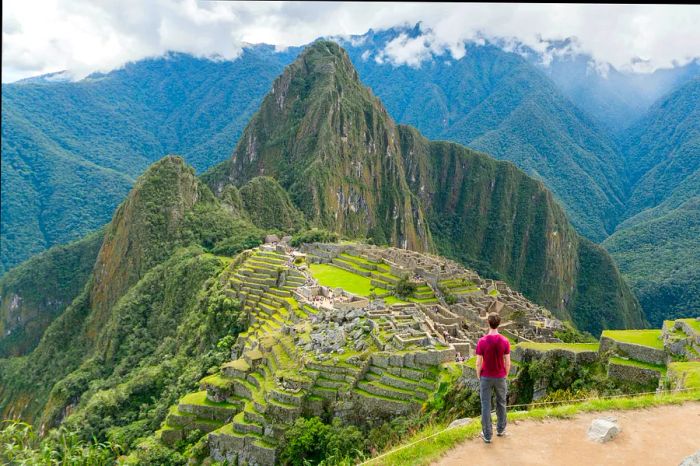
[692, 460]
[603, 430]
[460, 422]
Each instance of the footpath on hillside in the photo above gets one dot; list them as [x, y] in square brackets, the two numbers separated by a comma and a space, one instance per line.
[658, 436]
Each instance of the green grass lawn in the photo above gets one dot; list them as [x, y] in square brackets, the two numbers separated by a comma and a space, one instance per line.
[200, 398]
[694, 324]
[689, 371]
[576, 347]
[640, 364]
[334, 277]
[651, 338]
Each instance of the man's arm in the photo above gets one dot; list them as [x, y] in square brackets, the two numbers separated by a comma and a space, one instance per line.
[506, 358]
[479, 362]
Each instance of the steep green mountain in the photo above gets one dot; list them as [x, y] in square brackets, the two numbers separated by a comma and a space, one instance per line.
[95, 136]
[497, 102]
[659, 256]
[40, 289]
[663, 149]
[71, 150]
[351, 169]
[147, 319]
[330, 143]
[269, 207]
[657, 247]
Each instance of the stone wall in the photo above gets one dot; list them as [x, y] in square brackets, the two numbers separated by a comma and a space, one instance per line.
[633, 374]
[638, 352]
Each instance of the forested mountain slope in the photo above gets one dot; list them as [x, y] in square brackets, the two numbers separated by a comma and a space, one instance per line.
[658, 247]
[496, 101]
[351, 169]
[71, 150]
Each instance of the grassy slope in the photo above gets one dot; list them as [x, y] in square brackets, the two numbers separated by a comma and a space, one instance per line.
[332, 276]
[651, 338]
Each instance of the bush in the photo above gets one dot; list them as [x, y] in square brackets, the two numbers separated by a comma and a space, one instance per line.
[405, 288]
[314, 235]
[19, 444]
[310, 441]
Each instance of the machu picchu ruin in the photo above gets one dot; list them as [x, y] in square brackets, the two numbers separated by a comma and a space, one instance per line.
[328, 333]
[312, 345]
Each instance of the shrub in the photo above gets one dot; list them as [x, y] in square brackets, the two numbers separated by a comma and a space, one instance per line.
[315, 235]
[310, 441]
[405, 288]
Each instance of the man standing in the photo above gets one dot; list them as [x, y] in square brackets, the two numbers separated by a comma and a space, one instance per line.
[492, 367]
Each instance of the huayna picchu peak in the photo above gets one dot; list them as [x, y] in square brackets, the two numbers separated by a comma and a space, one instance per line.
[332, 277]
[349, 168]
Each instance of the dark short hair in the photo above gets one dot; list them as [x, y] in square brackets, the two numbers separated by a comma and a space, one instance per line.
[494, 320]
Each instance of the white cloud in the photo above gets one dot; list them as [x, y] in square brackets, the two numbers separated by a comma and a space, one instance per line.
[85, 36]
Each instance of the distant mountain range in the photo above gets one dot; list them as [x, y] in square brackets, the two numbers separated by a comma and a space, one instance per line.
[82, 144]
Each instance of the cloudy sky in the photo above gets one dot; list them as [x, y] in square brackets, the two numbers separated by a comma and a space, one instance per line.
[87, 35]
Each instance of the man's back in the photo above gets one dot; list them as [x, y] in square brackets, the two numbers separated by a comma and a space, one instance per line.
[492, 348]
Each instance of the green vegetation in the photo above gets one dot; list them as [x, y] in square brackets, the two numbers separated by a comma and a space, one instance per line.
[19, 444]
[658, 245]
[650, 338]
[72, 150]
[405, 288]
[310, 441]
[145, 329]
[334, 277]
[575, 347]
[506, 107]
[314, 235]
[687, 373]
[639, 364]
[657, 251]
[40, 289]
[269, 207]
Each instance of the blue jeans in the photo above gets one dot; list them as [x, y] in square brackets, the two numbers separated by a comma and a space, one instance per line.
[486, 387]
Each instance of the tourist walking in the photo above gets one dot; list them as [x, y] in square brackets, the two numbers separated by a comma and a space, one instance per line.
[492, 368]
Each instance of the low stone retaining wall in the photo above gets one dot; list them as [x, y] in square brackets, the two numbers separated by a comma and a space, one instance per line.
[633, 374]
[633, 351]
[240, 450]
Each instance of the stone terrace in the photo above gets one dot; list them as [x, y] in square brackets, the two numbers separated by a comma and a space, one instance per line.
[310, 348]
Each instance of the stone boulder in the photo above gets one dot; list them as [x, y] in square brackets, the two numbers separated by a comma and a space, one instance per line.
[692, 460]
[603, 430]
[460, 422]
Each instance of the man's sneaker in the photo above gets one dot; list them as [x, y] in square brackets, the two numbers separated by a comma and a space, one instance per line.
[501, 434]
[486, 440]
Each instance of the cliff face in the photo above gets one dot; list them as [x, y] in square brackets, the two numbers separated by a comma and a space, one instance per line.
[351, 169]
[491, 216]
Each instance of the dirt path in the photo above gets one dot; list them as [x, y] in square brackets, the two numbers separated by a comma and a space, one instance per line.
[656, 436]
